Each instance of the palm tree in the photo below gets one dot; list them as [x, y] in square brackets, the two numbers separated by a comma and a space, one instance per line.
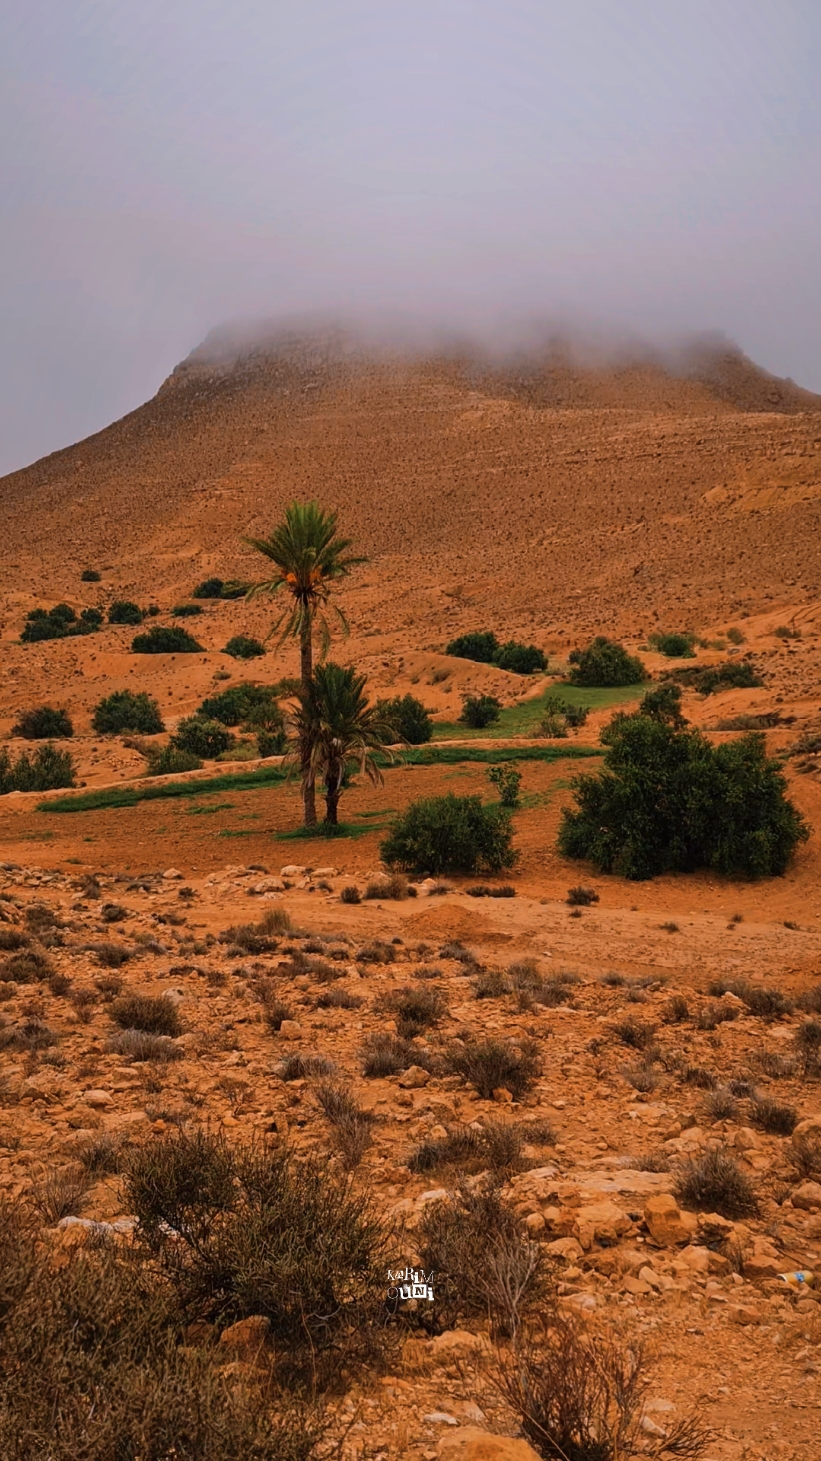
[309, 559]
[335, 720]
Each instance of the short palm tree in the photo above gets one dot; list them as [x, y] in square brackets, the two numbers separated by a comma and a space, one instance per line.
[343, 731]
[309, 558]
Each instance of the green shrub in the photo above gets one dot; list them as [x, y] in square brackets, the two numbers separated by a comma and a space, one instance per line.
[172, 760]
[243, 646]
[204, 738]
[734, 674]
[165, 640]
[44, 723]
[47, 770]
[448, 834]
[480, 645]
[185, 611]
[210, 588]
[90, 575]
[127, 710]
[520, 659]
[668, 801]
[61, 622]
[604, 663]
[408, 717]
[123, 611]
[664, 704]
[254, 707]
[479, 710]
[271, 743]
[784, 631]
[507, 781]
[674, 646]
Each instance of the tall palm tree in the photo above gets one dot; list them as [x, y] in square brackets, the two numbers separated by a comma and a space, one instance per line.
[342, 730]
[309, 558]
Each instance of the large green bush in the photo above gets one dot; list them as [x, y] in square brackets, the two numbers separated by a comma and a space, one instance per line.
[520, 659]
[479, 710]
[251, 706]
[408, 717]
[450, 834]
[162, 639]
[244, 646]
[480, 645]
[205, 738]
[604, 663]
[61, 622]
[171, 761]
[46, 770]
[43, 723]
[218, 588]
[674, 646]
[123, 611]
[668, 801]
[125, 710]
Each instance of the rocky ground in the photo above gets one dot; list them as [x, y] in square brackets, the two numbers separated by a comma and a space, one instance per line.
[637, 1075]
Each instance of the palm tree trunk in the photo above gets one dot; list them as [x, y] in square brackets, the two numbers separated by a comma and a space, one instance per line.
[306, 671]
[333, 791]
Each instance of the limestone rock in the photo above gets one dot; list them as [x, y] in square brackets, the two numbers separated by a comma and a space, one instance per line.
[98, 1100]
[172, 875]
[667, 1224]
[807, 1197]
[414, 1077]
[247, 1337]
[455, 1342]
[601, 1221]
[468, 1443]
[290, 1030]
[292, 870]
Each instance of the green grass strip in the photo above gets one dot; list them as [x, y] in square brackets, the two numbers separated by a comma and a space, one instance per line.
[129, 796]
[433, 755]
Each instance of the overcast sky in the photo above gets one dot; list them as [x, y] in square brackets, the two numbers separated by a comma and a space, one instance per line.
[166, 165]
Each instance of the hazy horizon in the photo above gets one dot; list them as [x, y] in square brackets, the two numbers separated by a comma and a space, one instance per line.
[649, 170]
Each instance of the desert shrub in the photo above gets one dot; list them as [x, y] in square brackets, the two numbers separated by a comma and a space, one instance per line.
[507, 781]
[415, 1008]
[12, 938]
[581, 897]
[734, 674]
[490, 1065]
[95, 1340]
[47, 770]
[185, 611]
[604, 663]
[520, 659]
[210, 588]
[810, 1000]
[480, 645]
[805, 1156]
[154, 1014]
[674, 646]
[808, 1047]
[785, 631]
[127, 710]
[165, 639]
[351, 1126]
[258, 1232]
[201, 737]
[479, 710]
[244, 646]
[407, 717]
[449, 834]
[483, 890]
[511, 1277]
[774, 1117]
[350, 894]
[635, 1034]
[760, 999]
[721, 1104]
[172, 760]
[123, 611]
[461, 1148]
[735, 635]
[140, 1046]
[61, 1193]
[492, 984]
[30, 1036]
[714, 1182]
[274, 1011]
[384, 1054]
[558, 715]
[580, 1396]
[299, 1067]
[90, 575]
[676, 1011]
[43, 724]
[100, 1153]
[339, 999]
[28, 966]
[668, 801]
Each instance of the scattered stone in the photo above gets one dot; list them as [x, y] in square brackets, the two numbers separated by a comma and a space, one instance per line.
[412, 1078]
[98, 1100]
[807, 1197]
[667, 1224]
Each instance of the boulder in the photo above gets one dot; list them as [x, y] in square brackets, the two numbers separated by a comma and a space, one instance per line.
[290, 1030]
[456, 1342]
[468, 1443]
[247, 1337]
[810, 1128]
[98, 1100]
[807, 1197]
[601, 1222]
[667, 1224]
[292, 870]
[414, 1077]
